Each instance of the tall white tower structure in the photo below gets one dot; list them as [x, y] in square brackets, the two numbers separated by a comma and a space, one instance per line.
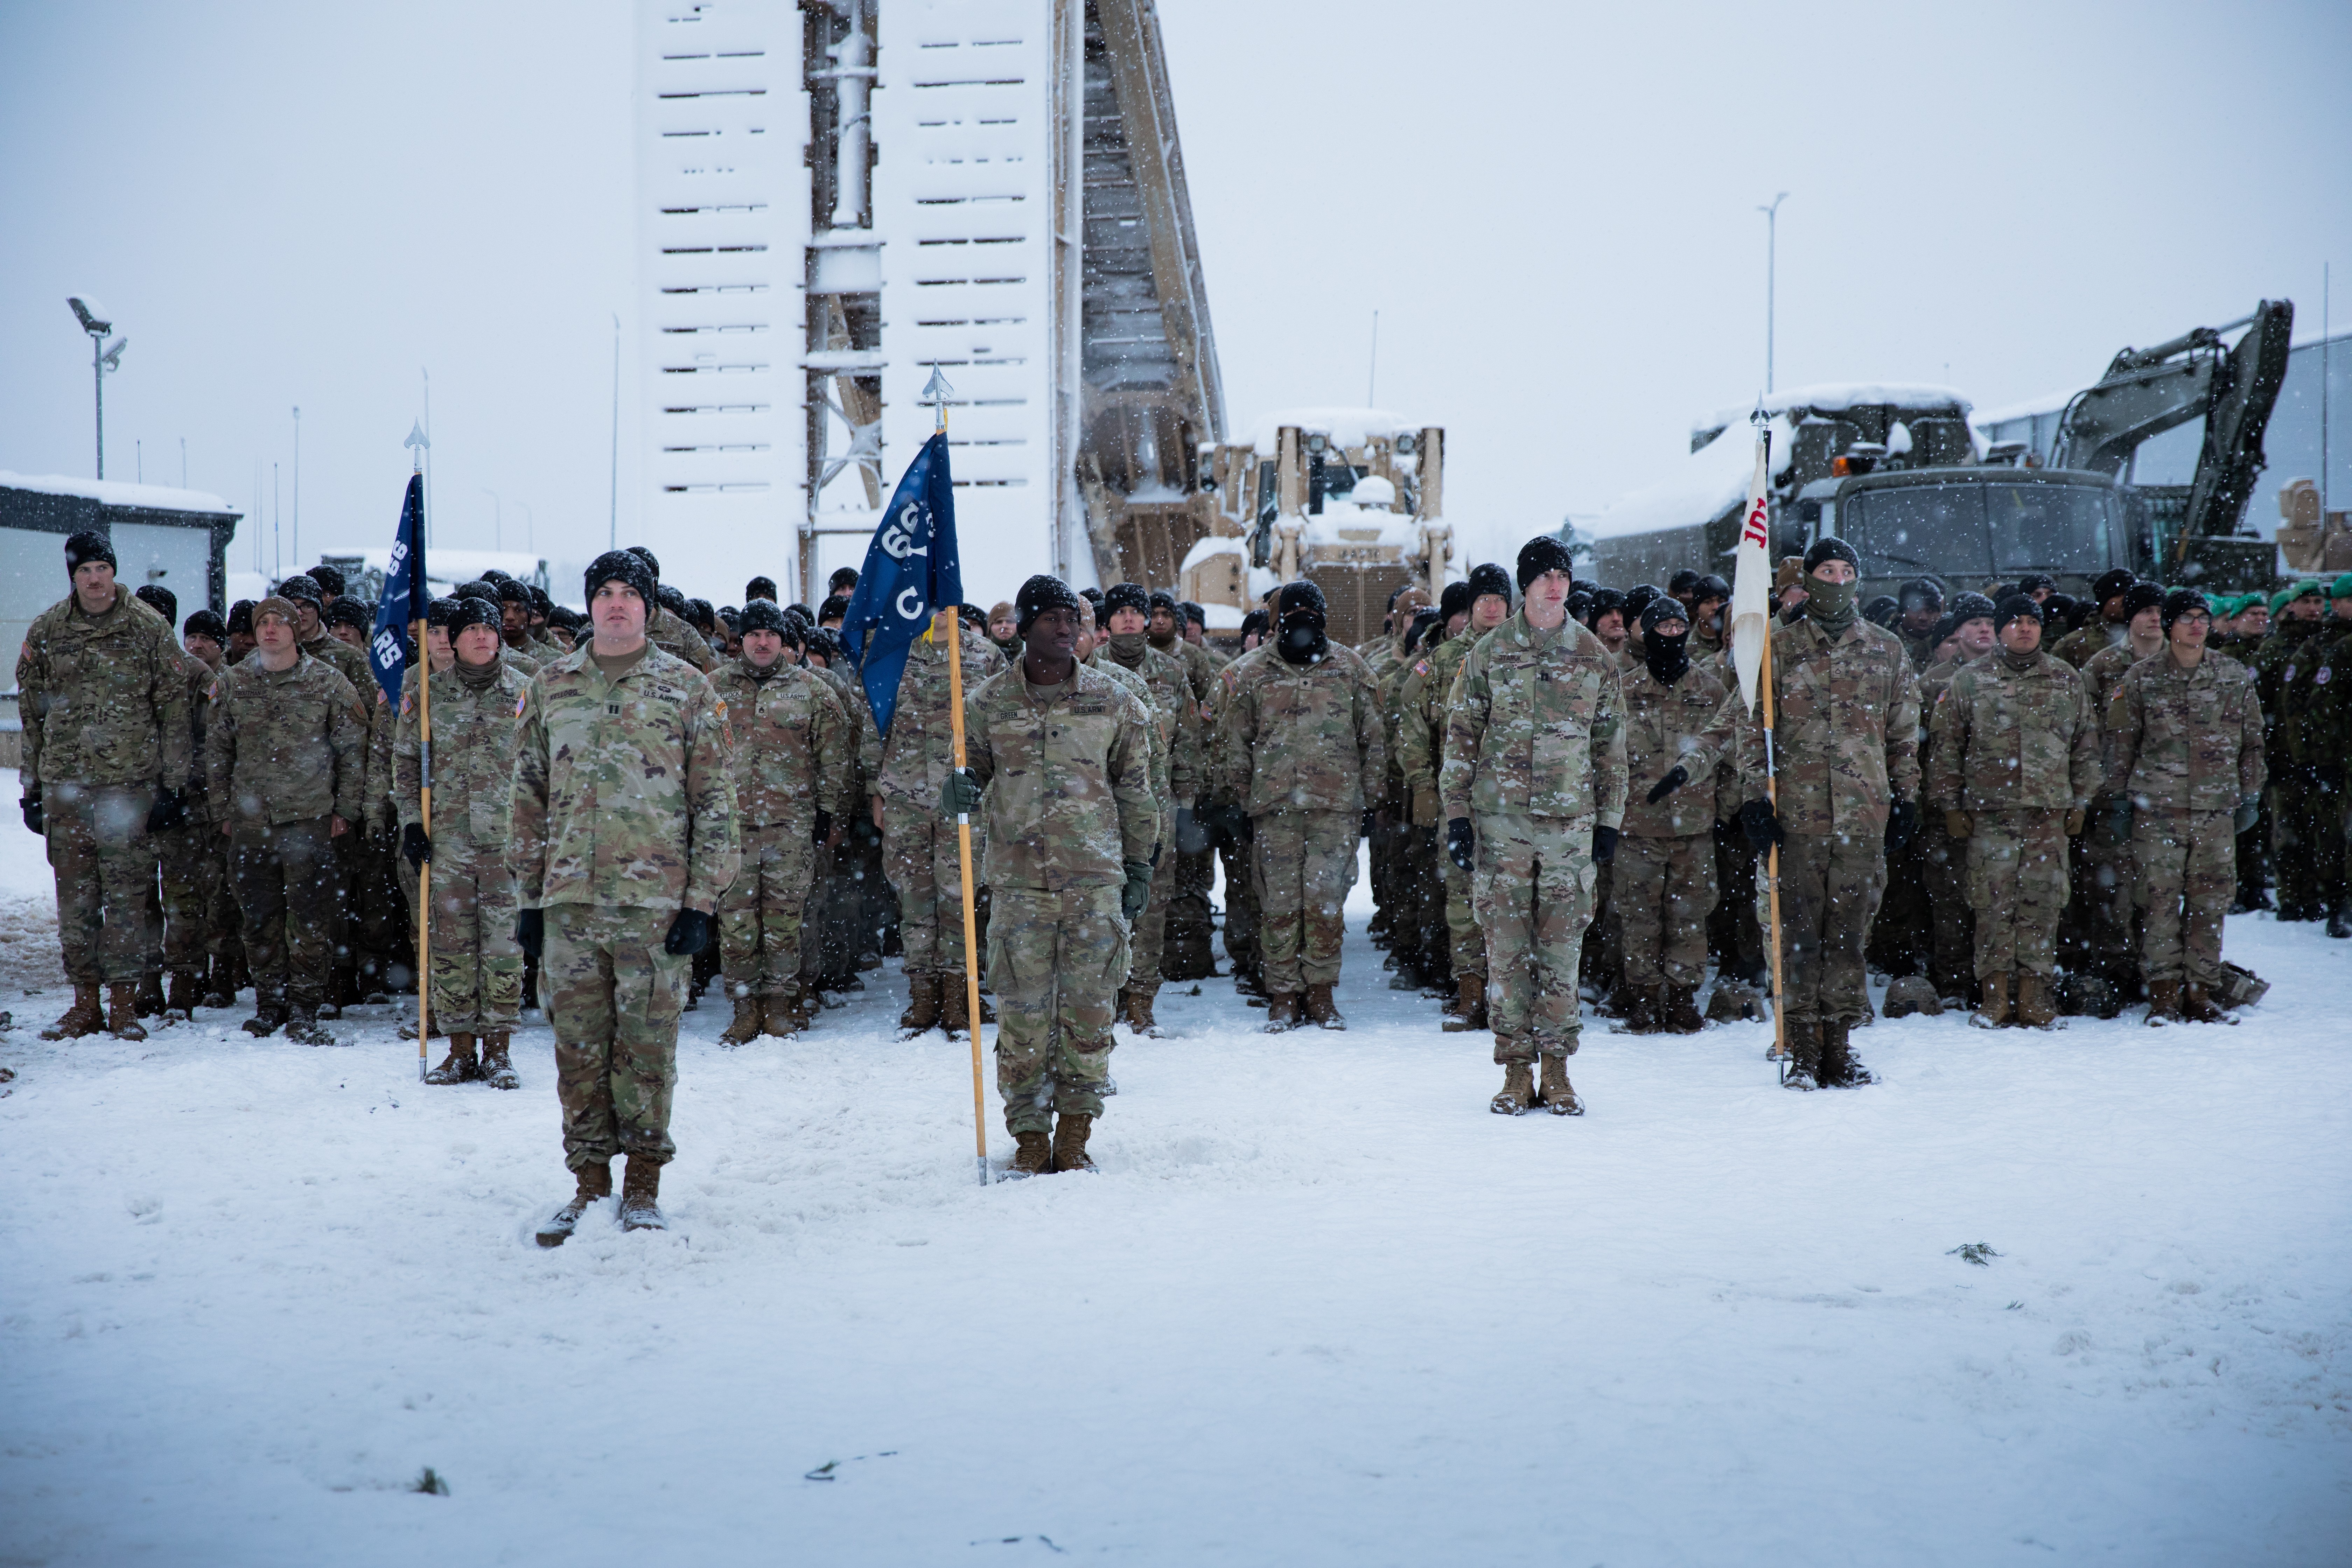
[837, 196]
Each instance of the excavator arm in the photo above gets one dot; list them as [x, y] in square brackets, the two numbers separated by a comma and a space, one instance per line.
[2246, 389]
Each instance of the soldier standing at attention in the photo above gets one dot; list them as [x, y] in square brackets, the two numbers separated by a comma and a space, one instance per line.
[904, 773]
[1188, 934]
[1944, 856]
[1534, 791]
[286, 762]
[2109, 965]
[1302, 750]
[1663, 875]
[476, 963]
[104, 696]
[794, 746]
[2185, 759]
[1163, 682]
[665, 628]
[187, 854]
[1058, 759]
[1846, 703]
[352, 851]
[2078, 648]
[2014, 745]
[625, 838]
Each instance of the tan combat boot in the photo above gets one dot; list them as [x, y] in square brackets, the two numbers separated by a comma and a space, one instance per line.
[784, 1016]
[2198, 1006]
[1284, 1010]
[2032, 1004]
[640, 1195]
[2163, 1003]
[1469, 1005]
[923, 1012]
[1559, 1095]
[458, 1066]
[1070, 1131]
[746, 1025]
[496, 1070]
[955, 1002]
[1032, 1157]
[1321, 1011]
[1138, 1007]
[595, 1184]
[1518, 1091]
[122, 1011]
[86, 1016]
[1679, 1013]
[1995, 1012]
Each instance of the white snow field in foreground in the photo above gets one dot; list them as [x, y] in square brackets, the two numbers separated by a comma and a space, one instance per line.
[1320, 1305]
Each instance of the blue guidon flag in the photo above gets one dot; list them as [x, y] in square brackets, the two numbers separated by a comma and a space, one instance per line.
[911, 570]
[404, 595]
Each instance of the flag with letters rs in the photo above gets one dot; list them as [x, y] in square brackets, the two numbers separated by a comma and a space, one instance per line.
[910, 572]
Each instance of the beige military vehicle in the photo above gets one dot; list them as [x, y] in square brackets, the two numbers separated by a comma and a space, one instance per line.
[1350, 499]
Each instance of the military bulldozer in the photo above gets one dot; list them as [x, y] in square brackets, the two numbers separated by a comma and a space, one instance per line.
[1350, 499]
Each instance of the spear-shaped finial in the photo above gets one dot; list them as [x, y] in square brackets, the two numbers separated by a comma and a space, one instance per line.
[418, 443]
[935, 393]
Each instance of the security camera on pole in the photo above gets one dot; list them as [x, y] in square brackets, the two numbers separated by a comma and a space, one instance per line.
[103, 357]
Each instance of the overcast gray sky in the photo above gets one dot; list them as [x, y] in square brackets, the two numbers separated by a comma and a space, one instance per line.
[1552, 207]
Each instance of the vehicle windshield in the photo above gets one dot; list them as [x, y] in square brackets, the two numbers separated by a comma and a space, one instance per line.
[1937, 528]
[2048, 528]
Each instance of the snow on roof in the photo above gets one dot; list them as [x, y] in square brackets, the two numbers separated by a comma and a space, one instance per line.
[115, 492]
[1347, 427]
[1704, 485]
[1835, 395]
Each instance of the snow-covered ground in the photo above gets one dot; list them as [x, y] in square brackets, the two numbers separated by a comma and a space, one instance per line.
[1320, 1306]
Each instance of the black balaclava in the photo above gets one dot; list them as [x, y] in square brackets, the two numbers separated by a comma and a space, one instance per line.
[1300, 612]
[1667, 657]
[1830, 605]
[1126, 646]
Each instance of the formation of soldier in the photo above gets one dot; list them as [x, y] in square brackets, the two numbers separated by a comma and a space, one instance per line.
[2012, 803]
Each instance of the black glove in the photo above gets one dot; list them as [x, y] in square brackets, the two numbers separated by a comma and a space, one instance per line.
[824, 826]
[1901, 823]
[1138, 891]
[531, 930]
[170, 811]
[1604, 844]
[1231, 825]
[1762, 828]
[689, 933]
[1668, 785]
[31, 807]
[959, 796]
[1460, 843]
[415, 846]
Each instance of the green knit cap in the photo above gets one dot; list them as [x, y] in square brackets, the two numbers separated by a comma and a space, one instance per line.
[2341, 588]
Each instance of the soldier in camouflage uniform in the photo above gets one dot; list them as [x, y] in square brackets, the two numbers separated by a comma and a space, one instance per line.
[1533, 789]
[2328, 734]
[1302, 751]
[2015, 761]
[2307, 765]
[187, 855]
[2104, 975]
[1165, 685]
[1664, 873]
[1186, 953]
[2108, 629]
[103, 694]
[794, 750]
[1846, 705]
[2185, 759]
[286, 764]
[1058, 761]
[359, 930]
[838, 900]
[904, 773]
[1951, 940]
[625, 838]
[667, 629]
[475, 969]
[206, 639]
[1230, 831]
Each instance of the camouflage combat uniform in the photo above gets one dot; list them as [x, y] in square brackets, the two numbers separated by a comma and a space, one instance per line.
[475, 963]
[190, 861]
[793, 752]
[2185, 748]
[1664, 881]
[285, 753]
[1847, 713]
[2104, 880]
[905, 770]
[851, 900]
[1535, 758]
[1176, 770]
[1302, 751]
[2014, 744]
[367, 926]
[1067, 771]
[1950, 940]
[624, 814]
[2299, 797]
[104, 701]
[1186, 953]
[1234, 851]
[1421, 753]
[669, 633]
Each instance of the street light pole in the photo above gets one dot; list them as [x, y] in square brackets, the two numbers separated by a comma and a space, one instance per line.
[1771, 266]
[298, 488]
